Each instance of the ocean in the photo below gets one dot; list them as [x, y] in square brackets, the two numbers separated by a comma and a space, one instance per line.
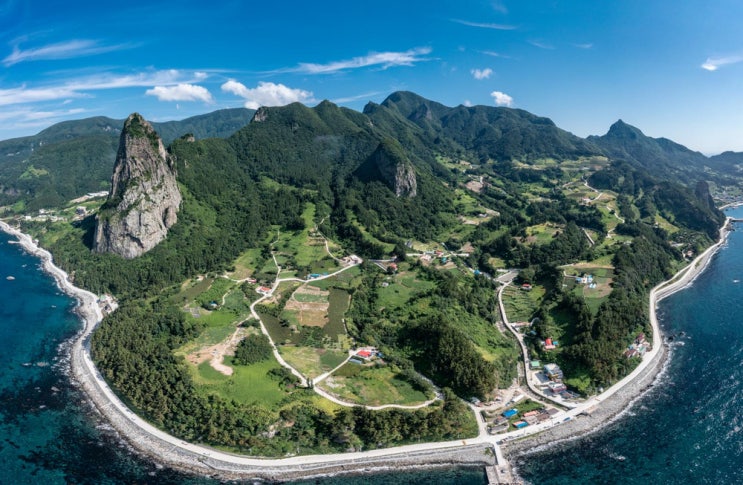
[688, 429]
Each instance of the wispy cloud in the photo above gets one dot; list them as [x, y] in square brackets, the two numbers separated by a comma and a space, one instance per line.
[502, 99]
[32, 95]
[541, 44]
[587, 45]
[485, 25]
[29, 115]
[267, 94]
[349, 99]
[61, 50]
[481, 74]
[714, 63]
[495, 54]
[385, 60]
[181, 92]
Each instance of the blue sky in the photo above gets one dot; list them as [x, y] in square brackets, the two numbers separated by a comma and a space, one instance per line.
[671, 68]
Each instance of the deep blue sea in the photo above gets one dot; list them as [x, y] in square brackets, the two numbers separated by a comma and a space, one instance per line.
[688, 429]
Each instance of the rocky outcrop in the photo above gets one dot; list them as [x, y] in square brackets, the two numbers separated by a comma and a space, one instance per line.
[395, 168]
[144, 198]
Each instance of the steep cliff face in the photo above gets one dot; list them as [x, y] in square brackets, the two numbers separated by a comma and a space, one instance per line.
[395, 168]
[144, 198]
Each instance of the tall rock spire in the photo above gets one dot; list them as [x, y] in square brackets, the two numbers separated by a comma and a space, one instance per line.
[144, 198]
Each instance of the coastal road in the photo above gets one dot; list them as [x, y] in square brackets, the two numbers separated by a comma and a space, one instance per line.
[206, 460]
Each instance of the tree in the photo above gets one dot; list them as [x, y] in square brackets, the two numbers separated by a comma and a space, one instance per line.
[253, 348]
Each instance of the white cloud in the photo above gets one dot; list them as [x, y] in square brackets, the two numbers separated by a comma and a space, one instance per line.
[81, 86]
[467, 103]
[502, 99]
[541, 45]
[484, 25]
[60, 50]
[714, 63]
[383, 59]
[267, 94]
[181, 92]
[481, 74]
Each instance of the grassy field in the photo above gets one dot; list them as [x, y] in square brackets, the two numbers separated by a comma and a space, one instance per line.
[311, 361]
[602, 278]
[247, 384]
[372, 386]
[541, 234]
[347, 280]
[209, 336]
[520, 305]
[190, 289]
[402, 286]
[339, 303]
[247, 263]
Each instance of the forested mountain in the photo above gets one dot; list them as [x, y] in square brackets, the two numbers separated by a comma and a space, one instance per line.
[500, 134]
[661, 155]
[72, 158]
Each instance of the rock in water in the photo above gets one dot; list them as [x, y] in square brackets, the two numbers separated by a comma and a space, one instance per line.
[144, 198]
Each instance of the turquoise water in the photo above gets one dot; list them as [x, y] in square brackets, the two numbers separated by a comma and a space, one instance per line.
[688, 429]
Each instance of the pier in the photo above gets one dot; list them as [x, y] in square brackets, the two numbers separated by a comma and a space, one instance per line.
[500, 472]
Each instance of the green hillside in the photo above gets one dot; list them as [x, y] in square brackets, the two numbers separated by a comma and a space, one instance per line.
[72, 158]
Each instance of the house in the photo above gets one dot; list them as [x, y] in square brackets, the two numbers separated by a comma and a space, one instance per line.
[520, 424]
[549, 344]
[531, 420]
[510, 413]
[392, 266]
[629, 353]
[557, 387]
[252, 281]
[264, 290]
[364, 354]
[553, 371]
[526, 287]
[535, 364]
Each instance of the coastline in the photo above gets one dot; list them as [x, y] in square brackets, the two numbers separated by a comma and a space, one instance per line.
[167, 450]
[163, 449]
[609, 408]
